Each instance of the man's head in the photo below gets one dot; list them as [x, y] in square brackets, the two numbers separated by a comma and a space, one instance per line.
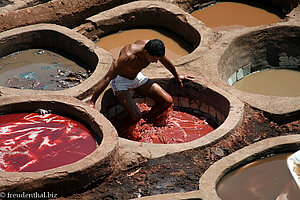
[155, 48]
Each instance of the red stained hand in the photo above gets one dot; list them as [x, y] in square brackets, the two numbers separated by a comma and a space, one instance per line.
[184, 77]
[91, 104]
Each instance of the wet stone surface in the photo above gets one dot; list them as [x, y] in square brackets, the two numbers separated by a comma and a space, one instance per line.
[180, 172]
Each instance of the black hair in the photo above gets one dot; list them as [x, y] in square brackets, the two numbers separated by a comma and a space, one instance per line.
[155, 47]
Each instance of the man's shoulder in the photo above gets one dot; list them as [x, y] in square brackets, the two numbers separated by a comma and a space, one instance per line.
[141, 42]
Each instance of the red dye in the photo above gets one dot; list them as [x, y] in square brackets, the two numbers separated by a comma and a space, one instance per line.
[32, 142]
[170, 127]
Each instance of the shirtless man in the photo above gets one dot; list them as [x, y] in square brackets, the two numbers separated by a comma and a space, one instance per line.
[125, 73]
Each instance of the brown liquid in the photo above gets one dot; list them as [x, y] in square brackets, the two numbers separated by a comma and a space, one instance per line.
[175, 47]
[230, 15]
[277, 82]
[39, 69]
[264, 179]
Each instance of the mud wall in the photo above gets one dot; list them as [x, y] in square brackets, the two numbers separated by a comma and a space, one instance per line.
[194, 91]
[67, 13]
[281, 6]
[72, 13]
[285, 5]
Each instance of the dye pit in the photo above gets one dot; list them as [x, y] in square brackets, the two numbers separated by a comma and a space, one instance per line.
[175, 46]
[266, 178]
[224, 16]
[273, 82]
[169, 128]
[32, 142]
[40, 69]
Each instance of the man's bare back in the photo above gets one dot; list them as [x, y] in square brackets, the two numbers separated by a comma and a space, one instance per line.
[132, 60]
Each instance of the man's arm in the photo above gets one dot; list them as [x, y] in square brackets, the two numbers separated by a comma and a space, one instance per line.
[169, 65]
[112, 73]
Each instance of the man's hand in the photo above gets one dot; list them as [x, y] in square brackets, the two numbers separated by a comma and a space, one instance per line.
[91, 104]
[184, 77]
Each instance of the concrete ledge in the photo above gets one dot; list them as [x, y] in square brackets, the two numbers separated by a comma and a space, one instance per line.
[68, 178]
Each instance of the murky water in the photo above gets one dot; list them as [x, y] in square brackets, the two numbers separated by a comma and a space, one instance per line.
[5, 3]
[274, 82]
[263, 179]
[231, 15]
[40, 69]
[31, 142]
[175, 46]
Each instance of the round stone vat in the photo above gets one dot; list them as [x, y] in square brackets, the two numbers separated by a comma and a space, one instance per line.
[64, 179]
[211, 178]
[149, 14]
[58, 39]
[260, 50]
[217, 106]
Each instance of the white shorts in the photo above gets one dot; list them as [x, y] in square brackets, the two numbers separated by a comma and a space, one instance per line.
[121, 83]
